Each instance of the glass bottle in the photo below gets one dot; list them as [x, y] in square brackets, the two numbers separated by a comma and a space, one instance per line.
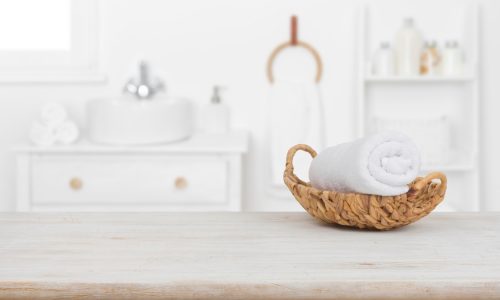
[453, 61]
[383, 60]
[408, 48]
[430, 59]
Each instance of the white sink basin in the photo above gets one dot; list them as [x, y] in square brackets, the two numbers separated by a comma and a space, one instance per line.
[134, 122]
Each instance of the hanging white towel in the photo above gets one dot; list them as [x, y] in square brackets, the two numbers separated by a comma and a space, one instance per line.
[295, 117]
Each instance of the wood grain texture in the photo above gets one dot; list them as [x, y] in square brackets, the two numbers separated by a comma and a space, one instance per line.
[245, 256]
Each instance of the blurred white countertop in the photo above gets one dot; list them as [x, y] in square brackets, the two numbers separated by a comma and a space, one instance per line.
[235, 141]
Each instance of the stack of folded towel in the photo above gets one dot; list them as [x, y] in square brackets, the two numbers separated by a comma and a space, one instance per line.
[382, 164]
[53, 127]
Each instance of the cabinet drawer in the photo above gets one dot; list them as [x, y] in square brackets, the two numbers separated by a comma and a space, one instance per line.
[59, 179]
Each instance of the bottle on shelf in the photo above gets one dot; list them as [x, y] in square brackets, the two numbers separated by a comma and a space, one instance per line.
[215, 115]
[453, 61]
[383, 60]
[408, 49]
[430, 59]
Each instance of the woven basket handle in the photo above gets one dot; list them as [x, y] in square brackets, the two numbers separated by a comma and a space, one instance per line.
[431, 176]
[289, 160]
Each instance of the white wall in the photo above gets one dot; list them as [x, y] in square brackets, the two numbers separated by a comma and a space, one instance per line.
[198, 43]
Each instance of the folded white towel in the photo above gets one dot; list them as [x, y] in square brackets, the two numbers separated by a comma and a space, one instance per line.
[53, 127]
[66, 132]
[432, 135]
[42, 135]
[381, 164]
[53, 114]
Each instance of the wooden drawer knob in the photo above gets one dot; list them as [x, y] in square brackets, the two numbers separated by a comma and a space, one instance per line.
[180, 183]
[75, 183]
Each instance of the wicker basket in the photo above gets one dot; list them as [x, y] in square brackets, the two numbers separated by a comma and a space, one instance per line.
[366, 211]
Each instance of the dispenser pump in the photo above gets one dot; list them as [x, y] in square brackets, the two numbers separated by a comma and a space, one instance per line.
[216, 99]
[215, 115]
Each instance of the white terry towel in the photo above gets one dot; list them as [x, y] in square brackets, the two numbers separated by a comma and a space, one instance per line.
[41, 134]
[53, 127]
[53, 114]
[381, 164]
[67, 132]
[295, 118]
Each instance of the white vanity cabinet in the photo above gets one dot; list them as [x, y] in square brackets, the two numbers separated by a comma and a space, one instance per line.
[203, 173]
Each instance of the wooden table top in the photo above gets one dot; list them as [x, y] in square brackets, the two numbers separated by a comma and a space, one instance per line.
[245, 256]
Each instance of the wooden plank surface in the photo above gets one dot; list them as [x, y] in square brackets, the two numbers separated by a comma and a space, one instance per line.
[245, 256]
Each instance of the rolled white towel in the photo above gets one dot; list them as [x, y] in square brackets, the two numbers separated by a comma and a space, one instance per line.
[53, 114]
[381, 164]
[42, 135]
[66, 132]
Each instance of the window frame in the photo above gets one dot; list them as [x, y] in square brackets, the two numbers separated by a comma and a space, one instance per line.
[80, 63]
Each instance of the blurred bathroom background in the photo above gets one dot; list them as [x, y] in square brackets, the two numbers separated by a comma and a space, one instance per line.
[57, 57]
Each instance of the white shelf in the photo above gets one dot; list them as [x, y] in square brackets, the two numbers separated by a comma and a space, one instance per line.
[417, 79]
[428, 97]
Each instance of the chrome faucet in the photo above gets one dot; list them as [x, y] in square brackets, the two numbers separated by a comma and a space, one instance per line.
[143, 87]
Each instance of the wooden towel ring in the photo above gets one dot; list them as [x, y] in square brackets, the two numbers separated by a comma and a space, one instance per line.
[294, 42]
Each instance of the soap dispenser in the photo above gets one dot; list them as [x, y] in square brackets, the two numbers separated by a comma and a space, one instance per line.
[215, 115]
